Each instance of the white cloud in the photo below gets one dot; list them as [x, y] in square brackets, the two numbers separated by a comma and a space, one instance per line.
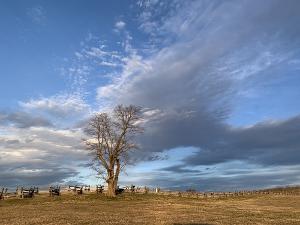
[78, 55]
[109, 64]
[40, 156]
[96, 52]
[93, 59]
[120, 25]
[133, 66]
[62, 106]
[37, 14]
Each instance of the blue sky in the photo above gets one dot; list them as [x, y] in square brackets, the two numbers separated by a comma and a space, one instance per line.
[38, 35]
[219, 82]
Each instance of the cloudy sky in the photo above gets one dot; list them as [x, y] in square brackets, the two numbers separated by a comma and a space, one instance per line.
[218, 80]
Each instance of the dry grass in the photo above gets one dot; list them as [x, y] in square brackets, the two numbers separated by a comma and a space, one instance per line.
[151, 209]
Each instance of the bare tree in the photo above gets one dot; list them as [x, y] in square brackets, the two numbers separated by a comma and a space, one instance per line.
[110, 139]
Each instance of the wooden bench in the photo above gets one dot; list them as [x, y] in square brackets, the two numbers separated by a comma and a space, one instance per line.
[77, 189]
[86, 187]
[119, 190]
[99, 189]
[27, 192]
[72, 188]
[54, 191]
[132, 188]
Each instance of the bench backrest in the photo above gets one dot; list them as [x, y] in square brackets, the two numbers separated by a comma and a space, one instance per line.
[73, 187]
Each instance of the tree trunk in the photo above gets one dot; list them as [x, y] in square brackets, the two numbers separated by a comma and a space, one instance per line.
[116, 178]
[111, 191]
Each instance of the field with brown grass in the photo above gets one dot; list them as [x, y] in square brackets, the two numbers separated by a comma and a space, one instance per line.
[151, 209]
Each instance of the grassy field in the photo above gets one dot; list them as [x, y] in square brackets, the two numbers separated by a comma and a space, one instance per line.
[151, 209]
